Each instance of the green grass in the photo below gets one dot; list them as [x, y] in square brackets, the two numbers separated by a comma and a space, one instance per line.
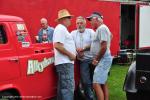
[116, 81]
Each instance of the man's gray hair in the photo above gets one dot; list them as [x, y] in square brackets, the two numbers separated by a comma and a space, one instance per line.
[82, 18]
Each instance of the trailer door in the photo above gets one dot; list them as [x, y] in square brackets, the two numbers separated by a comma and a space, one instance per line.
[144, 26]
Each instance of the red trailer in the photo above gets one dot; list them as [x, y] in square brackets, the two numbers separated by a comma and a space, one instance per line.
[121, 17]
[32, 11]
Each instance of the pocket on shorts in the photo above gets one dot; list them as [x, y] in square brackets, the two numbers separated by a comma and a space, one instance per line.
[105, 63]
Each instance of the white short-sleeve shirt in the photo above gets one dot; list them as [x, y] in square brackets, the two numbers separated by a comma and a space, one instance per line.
[62, 35]
[82, 40]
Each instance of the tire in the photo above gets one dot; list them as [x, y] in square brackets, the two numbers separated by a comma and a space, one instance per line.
[131, 96]
[140, 95]
[7, 96]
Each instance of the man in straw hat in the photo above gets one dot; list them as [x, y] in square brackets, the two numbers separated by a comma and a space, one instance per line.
[65, 54]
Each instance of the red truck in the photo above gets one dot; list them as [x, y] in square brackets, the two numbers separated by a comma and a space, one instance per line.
[27, 70]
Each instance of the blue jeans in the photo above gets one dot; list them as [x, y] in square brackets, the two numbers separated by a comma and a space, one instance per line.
[86, 79]
[66, 85]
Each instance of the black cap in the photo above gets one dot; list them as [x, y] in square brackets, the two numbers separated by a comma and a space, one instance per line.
[94, 14]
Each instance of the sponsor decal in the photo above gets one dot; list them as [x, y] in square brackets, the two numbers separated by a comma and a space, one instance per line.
[20, 27]
[25, 44]
[36, 66]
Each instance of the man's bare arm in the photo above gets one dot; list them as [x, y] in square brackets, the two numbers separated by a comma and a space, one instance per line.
[60, 48]
[102, 50]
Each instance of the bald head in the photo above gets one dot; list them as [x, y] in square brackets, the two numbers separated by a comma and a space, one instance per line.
[44, 23]
[43, 20]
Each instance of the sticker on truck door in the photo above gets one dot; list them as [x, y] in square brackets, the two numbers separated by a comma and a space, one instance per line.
[25, 44]
[36, 66]
[20, 27]
[22, 35]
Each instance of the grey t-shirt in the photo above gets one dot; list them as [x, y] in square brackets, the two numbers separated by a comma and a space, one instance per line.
[102, 34]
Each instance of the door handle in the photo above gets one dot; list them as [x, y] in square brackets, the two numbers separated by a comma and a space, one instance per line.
[14, 60]
[39, 51]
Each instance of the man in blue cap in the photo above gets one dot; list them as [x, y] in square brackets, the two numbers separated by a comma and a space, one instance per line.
[100, 49]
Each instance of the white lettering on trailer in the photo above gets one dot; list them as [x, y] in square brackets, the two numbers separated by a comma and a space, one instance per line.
[35, 66]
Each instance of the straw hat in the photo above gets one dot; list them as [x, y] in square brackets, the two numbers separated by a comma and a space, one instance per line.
[63, 13]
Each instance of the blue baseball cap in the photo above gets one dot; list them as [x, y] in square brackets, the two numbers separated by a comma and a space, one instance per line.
[94, 14]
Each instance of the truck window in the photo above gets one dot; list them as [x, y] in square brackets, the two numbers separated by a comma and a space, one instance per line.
[22, 34]
[3, 38]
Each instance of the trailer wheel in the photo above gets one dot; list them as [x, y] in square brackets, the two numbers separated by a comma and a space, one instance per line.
[7, 96]
[140, 95]
[131, 96]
